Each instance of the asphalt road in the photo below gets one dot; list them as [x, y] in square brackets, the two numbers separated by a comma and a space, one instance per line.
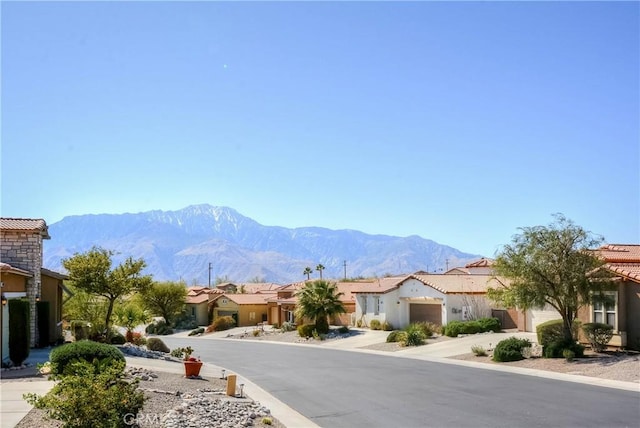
[336, 388]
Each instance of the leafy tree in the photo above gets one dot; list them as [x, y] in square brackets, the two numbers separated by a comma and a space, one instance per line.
[91, 272]
[165, 299]
[308, 272]
[320, 268]
[552, 265]
[318, 301]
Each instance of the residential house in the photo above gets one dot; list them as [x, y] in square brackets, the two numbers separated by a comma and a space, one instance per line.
[435, 298]
[623, 314]
[22, 276]
[246, 309]
[54, 292]
[197, 303]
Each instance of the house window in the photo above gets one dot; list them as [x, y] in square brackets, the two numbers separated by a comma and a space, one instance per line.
[376, 305]
[290, 317]
[364, 304]
[252, 316]
[193, 311]
[605, 313]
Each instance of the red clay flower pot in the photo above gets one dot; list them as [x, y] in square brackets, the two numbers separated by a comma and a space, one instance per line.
[192, 368]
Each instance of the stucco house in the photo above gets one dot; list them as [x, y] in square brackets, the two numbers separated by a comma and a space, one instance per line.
[246, 309]
[436, 298]
[22, 276]
[197, 303]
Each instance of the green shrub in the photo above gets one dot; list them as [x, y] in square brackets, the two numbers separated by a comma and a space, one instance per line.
[287, 326]
[510, 349]
[156, 344]
[160, 328]
[197, 331]
[256, 332]
[414, 336]
[177, 352]
[568, 354]
[267, 420]
[551, 331]
[19, 337]
[80, 329]
[479, 351]
[84, 350]
[42, 308]
[598, 335]
[557, 348]
[223, 323]
[386, 326]
[489, 324]
[185, 321]
[375, 325]
[428, 328]
[306, 330]
[118, 339]
[396, 336]
[97, 395]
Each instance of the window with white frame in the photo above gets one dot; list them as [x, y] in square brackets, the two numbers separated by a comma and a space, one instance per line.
[605, 312]
[376, 305]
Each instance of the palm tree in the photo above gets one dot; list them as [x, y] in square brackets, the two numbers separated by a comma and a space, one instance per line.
[318, 301]
[320, 268]
[308, 272]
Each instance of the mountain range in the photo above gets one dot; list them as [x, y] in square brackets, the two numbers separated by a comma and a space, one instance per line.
[179, 245]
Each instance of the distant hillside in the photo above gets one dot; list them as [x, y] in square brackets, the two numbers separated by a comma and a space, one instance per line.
[180, 244]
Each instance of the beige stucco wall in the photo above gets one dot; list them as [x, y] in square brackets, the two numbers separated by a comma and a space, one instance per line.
[52, 293]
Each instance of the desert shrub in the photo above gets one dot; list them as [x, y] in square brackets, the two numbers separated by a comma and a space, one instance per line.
[598, 335]
[138, 339]
[43, 323]
[557, 348]
[453, 328]
[359, 323]
[428, 328]
[223, 323]
[198, 330]
[185, 321]
[84, 350]
[375, 325]
[386, 326]
[396, 336]
[160, 328]
[256, 332]
[510, 349]
[287, 326]
[306, 330]
[343, 329]
[118, 339]
[414, 336]
[478, 351]
[177, 352]
[489, 324]
[155, 344]
[551, 331]
[568, 354]
[19, 320]
[96, 395]
[267, 420]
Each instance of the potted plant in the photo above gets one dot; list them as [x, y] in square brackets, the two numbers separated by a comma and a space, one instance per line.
[192, 365]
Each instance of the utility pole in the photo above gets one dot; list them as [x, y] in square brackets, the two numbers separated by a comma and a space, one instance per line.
[447, 261]
[345, 269]
[210, 274]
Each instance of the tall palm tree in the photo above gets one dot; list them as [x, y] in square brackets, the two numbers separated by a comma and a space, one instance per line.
[318, 301]
[320, 268]
[308, 272]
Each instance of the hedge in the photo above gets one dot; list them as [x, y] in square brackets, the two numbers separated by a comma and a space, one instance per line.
[510, 349]
[551, 331]
[84, 350]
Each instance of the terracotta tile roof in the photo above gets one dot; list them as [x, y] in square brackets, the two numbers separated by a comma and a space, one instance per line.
[483, 262]
[257, 287]
[199, 298]
[7, 268]
[455, 284]
[247, 299]
[630, 271]
[25, 224]
[620, 253]
[381, 285]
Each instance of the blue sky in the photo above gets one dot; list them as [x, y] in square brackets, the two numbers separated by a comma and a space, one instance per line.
[458, 122]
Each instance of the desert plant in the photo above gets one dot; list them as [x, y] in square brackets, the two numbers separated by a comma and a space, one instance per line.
[256, 332]
[287, 326]
[568, 354]
[510, 349]
[138, 339]
[42, 308]
[223, 323]
[318, 301]
[160, 328]
[83, 350]
[185, 321]
[414, 336]
[177, 352]
[489, 324]
[117, 339]
[557, 348]
[396, 336]
[19, 320]
[479, 351]
[267, 420]
[386, 326]
[306, 330]
[375, 325]
[156, 344]
[427, 328]
[598, 335]
[130, 315]
[96, 395]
